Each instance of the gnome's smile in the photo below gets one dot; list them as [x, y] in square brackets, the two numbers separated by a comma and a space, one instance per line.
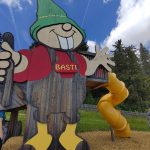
[66, 42]
[63, 36]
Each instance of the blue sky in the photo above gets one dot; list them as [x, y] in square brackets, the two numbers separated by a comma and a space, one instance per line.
[103, 20]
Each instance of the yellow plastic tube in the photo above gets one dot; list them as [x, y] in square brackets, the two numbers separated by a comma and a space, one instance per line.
[117, 94]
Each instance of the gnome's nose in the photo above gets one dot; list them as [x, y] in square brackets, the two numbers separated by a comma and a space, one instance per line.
[66, 27]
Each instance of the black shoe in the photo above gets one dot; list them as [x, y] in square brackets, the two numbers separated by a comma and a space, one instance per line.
[1, 143]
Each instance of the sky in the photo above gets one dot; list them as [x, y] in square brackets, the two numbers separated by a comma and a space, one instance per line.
[104, 21]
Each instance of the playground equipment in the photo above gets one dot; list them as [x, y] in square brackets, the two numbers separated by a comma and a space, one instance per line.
[117, 94]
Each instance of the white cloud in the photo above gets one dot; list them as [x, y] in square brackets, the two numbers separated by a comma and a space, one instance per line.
[15, 3]
[91, 45]
[133, 23]
[106, 1]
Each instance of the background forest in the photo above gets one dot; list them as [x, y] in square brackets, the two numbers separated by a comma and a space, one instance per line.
[132, 67]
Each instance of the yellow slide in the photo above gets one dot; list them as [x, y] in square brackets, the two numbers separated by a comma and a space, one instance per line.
[117, 94]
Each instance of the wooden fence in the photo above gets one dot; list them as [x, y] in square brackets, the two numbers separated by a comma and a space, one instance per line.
[88, 107]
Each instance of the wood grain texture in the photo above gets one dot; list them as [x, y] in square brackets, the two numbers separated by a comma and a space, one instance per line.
[6, 99]
[17, 98]
[54, 100]
[9, 96]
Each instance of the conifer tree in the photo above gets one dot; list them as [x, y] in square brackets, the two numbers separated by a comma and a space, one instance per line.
[129, 70]
[145, 60]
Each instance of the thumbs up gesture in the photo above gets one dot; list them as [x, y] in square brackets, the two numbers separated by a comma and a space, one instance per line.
[5, 55]
[4, 64]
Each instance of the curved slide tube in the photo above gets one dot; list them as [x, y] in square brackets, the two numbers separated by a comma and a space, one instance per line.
[117, 94]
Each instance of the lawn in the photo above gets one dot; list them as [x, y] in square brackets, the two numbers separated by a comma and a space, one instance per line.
[93, 121]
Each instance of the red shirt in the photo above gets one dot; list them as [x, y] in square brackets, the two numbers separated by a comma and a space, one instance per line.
[40, 65]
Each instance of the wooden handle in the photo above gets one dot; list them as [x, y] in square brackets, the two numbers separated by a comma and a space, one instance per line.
[7, 88]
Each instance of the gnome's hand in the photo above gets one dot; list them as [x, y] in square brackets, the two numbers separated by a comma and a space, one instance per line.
[20, 61]
[104, 58]
[101, 58]
[4, 64]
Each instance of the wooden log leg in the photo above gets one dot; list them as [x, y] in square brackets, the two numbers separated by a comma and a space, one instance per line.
[31, 127]
[56, 126]
[13, 121]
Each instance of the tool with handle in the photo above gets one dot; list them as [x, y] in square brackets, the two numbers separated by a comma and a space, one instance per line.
[6, 86]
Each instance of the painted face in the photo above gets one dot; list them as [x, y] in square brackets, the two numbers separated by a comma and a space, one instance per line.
[62, 36]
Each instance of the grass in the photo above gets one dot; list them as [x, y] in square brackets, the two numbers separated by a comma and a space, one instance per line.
[138, 123]
[93, 121]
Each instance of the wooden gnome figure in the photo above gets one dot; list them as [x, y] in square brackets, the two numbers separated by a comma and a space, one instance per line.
[56, 79]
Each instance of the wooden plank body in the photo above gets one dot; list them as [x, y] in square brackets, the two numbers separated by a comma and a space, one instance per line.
[17, 97]
[55, 101]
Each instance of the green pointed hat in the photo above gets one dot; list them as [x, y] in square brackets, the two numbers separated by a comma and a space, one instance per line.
[48, 14]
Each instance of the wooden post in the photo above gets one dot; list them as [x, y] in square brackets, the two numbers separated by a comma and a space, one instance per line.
[5, 92]
[13, 121]
[112, 134]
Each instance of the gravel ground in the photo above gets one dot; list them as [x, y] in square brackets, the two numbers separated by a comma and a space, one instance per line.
[100, 141]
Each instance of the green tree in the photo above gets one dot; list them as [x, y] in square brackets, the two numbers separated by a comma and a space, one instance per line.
[145, 63]
[128, 69]
[120, 59]
[145, 60]
[82, 47]
[89, 98]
